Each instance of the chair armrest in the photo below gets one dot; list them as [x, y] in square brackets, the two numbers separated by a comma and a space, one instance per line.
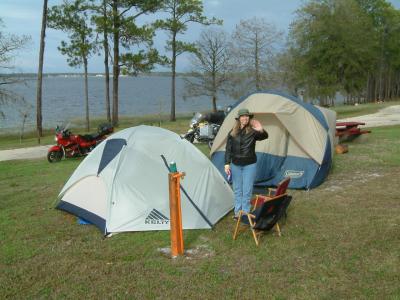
[261, 199]
[269, 198]
[271, 191]
[257, 200]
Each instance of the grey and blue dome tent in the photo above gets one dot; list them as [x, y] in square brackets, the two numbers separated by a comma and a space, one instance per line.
[122, 185]
[300, 143]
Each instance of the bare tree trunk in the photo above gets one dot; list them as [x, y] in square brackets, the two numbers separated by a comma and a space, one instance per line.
[322, 101]
[21, 136]
[85, 65]
[106, 55]
[367, 88]
[257, 65]
[384, 84]
[173, 67]
[371, 88]
[381, 62]
[370, 93]
[116, 63]
[214, 97]
[398, 85]
[40, 74]
[397, 88]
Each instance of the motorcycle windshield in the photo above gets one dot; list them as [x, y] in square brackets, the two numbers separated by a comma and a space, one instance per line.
[197, 118]
[67, 126]
[62, 127]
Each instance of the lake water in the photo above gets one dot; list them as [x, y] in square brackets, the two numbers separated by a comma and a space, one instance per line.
[63, 100]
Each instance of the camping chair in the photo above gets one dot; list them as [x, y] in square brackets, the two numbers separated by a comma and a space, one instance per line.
[272, 192]
[265, 217]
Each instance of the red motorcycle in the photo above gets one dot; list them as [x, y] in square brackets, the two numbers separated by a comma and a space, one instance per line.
[70, 145]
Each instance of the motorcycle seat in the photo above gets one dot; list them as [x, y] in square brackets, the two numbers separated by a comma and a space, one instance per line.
[90, 137]
[95, 136]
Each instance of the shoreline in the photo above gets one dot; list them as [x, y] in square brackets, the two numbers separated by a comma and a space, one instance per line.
[79, 123]
[91, 74]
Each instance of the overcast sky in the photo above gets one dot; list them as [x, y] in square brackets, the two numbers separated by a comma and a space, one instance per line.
[24, 17]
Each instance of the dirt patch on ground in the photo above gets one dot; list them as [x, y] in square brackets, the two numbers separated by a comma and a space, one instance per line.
[24, 153]
[199, 252]
[385, 117]
[342, 183]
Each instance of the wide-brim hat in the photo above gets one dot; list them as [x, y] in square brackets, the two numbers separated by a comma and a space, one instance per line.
[244, 112]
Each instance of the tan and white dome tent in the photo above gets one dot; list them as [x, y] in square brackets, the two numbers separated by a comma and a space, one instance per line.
[300, 143]
[123, 184]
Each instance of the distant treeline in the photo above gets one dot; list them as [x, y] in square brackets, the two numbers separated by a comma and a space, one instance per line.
[347, 46]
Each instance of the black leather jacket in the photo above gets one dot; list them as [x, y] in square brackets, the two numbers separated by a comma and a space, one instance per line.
[240, 149]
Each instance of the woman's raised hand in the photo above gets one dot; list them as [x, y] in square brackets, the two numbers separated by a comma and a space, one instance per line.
[256, 125]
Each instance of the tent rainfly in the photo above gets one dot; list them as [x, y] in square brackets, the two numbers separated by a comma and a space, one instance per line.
[122, 185]
[300, 143]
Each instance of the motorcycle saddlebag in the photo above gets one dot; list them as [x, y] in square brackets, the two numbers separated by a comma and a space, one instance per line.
[105, 128]
[206, 132]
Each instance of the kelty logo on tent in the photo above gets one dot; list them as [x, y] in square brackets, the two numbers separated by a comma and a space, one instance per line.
[155, 217]
[293, 173]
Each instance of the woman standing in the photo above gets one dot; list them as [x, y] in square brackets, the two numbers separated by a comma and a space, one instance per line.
[241, 159]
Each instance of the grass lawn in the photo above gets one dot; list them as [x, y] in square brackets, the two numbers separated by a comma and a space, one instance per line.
[341, 240]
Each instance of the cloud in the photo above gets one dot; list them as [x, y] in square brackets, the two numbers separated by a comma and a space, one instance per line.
[212, 2]
[13, 12]
[22, 15]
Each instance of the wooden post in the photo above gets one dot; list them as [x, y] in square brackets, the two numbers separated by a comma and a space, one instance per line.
[175, 213]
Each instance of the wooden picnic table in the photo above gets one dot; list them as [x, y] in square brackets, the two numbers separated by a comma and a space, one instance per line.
[347, 129]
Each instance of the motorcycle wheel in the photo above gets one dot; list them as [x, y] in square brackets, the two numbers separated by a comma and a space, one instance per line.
[190, 138]
[54, 156]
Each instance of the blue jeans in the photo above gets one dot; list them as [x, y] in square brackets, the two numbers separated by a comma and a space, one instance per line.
[243, 180]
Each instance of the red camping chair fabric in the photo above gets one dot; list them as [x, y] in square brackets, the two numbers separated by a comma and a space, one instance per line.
[272, 193]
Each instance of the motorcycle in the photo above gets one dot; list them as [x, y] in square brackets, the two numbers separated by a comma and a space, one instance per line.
[204, 127]
[70, 145]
